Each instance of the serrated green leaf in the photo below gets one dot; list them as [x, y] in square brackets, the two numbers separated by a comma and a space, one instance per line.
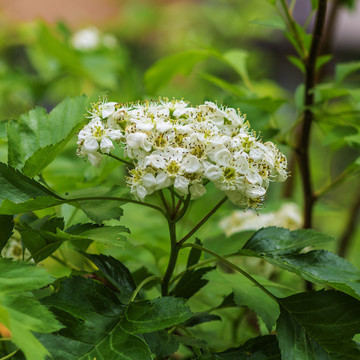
[6, 229]
[274, 21]
[322, 267]
[161, 343]
[261, 347]
[166, 68]
[274, 241]
[319, 325]
[247, 294]
[115, 272]
[91, 313]
[19, 193]
[191, 282]
[345, 69]
[26, 315]
[101, 210]
[42, 243]
[18, 276]
[282, 248]
[36, 138]
[152, 315]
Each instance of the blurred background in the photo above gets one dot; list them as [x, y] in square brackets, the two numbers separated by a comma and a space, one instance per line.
[230, 51]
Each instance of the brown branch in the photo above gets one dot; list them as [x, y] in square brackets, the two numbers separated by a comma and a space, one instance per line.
[304, 138]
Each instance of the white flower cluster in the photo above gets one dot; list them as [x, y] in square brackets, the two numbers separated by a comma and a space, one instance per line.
[287, 216]
[173, 144]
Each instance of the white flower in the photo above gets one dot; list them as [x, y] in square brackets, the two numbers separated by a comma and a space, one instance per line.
[95, 159]
[106, 145]
[190, 164]
[91, 145]
[162, 181]
[288, 216]
[213, 173]
[173, 144]
[86, 39]
[138, 140]
[223, 157]
[181, 185]
[197, 190]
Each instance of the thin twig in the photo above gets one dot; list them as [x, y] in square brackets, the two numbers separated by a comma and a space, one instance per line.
[233, 266]
[202, 222]
[112, 198]
[121, 160]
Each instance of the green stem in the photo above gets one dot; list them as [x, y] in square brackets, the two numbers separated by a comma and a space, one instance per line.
[144, 282]
[292, 27]
[201, 263]
[233, 266]
[111, 198]
[337, 181]
[9, 355]
[166, 205]
[174, 252]
[121, 160]
[202, 222]
[184, 209]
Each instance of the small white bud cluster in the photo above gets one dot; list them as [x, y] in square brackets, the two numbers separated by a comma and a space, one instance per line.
[174, 144]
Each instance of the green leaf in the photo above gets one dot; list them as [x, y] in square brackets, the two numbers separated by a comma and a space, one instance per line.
[224, 85]
[115, 272]
[345, 69]
[17, 276]
[152, 315]
[20, 312]
[166, 68]
[261, 347]
[274, 241]
[339, 133]
[247, 294]
[161, 343]
[297, 62]
[191, 282]
[274, 21]
[36, 138]
[200, 318]
[282, 248]
[42, 243]
[322, 267]
[6, 229]
[237, 60]
[91, 314]
[322, 60]
[319, 325]
[314, 4]
[194, 255]
[24, 315]
[19, 193]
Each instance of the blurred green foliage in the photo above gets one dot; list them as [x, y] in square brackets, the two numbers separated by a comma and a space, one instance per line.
[232, 52]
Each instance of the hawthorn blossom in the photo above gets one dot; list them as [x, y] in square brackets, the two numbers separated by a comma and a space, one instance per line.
[172, 144]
